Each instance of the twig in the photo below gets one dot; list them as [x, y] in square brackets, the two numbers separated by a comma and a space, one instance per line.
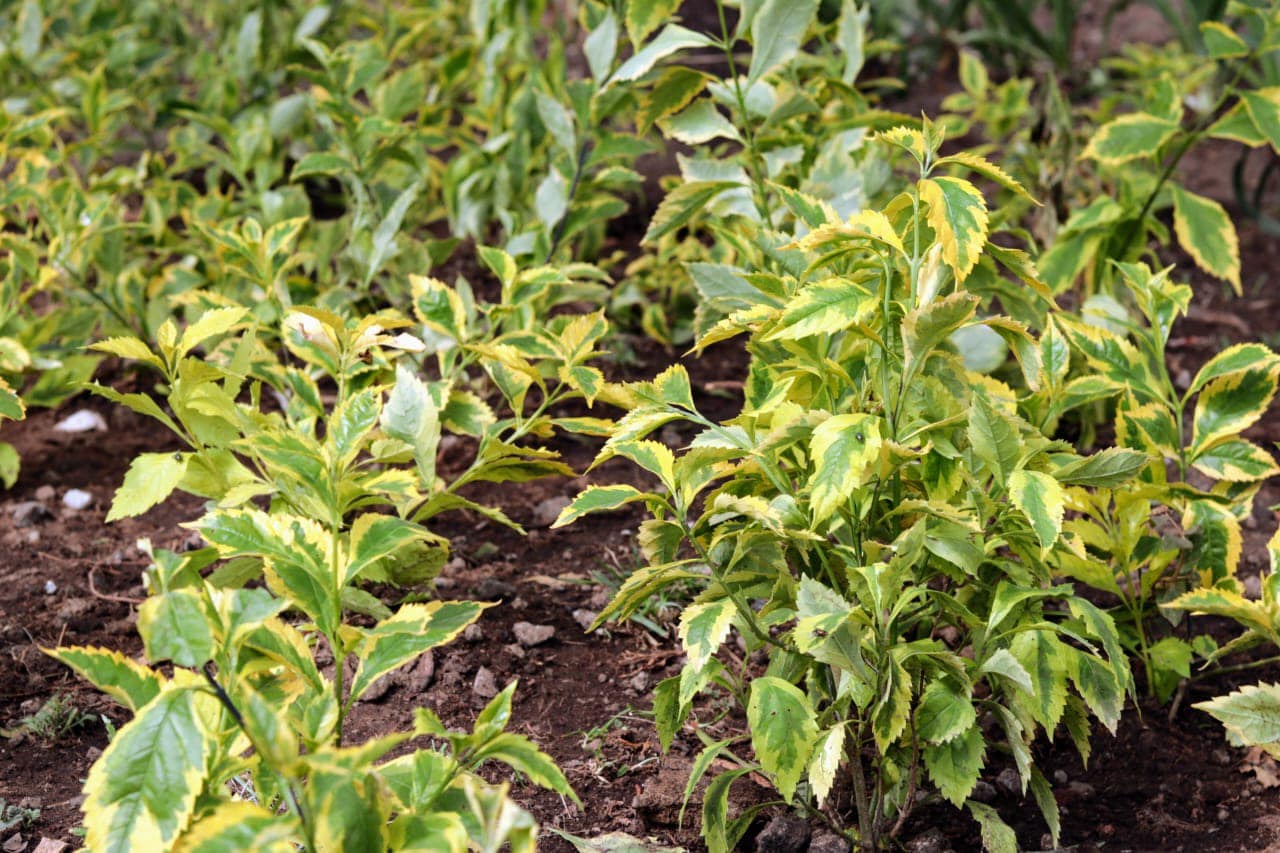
[123, 599]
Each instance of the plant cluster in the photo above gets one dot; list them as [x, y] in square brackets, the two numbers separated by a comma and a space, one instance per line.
[271, 214]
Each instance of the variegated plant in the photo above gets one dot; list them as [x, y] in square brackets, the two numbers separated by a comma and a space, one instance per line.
[320, 473]
[1151, 541]
[879, 520]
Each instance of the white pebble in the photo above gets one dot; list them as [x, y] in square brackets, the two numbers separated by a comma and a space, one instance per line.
[85, 420]
[77, 499]
[50, 587]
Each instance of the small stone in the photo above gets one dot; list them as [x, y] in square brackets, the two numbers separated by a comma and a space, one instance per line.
[585, 617]
[1060, 777]
[473, 633]
[1253, 587]
[492, 589]
[518, 603]
[1220, 757]
[85, 420]
[1081, 790]
[14, 844]
[929, 841]
[51, 845]
[93, 753]
[1223, 814]
[379, 689]
[593, 745]
[601, 678]
[33, 536]
[31, 803]
[484, 685]
[515, 650]
[640, 682]
[983, 792]
[547, 511]
[457, 564]
[530, 635]
[417, 678]
[1010, 782]
[444, 583]
[783, 834]
[826, 841]
[50, 587]
[77, 499]
[46, 493]
[29, 513]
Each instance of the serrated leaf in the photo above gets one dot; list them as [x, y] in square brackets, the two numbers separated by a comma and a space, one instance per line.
[1041, 499]
[828, 752]
[597, 499]
[954, 766]
[1108, 468]
[957, 213]
[843, 448]
[1251, 713]
[924, 328]
[151, 478]
[1207, 234]
[698, 124]
[219, 321]
[997, 836]
[1232, 359]
[320, 163]
[126, 681]
[128, 348]
[233, 827]
[412, 416]
[1041, 654]
[994, 439]
[1128, 138]
[783, 731]
[703, 627]
[174, 627]
[777, 31]
[826, 306]
[413, 630]
[672, 39]
[985, 168]
[945, 712]
[681, 204]
[142, 791]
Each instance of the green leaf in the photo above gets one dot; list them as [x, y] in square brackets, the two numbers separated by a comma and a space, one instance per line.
[984, 167]
[142, 791]
[1048, 804]
[994, 438]
[945, 712]
[1263, 106]
[715, 810]
[1232, 359]
[1041, 654]
[703, 627]
[958, 215]
[375, 536]
[411, 415]
[843, 448]
[777, 31]
[10, 463]
[1098, 685]
[1105, 469]
[673, 38]
[680, 205]
[1206, 233]
[414, 629]
[321, 163]
[1002, 663]
[150, 479]
[783, 731]
[1041, 499]
[1128, 138]
[174, 627]
[219, 321]
[645, 16]
[924, 328]
[1237, 125]
[601, 46]
[673, 91]
[826, 306]
[520, 754]
[1236, 461]
[1230, 404]
[384, 236]
[232, 827]
[954, 766]
[828, 752]
[129, 348]
[1221, 42]
[126, 681]
[597, 499]
[1251, 713]
[698, 124]
[997, 836]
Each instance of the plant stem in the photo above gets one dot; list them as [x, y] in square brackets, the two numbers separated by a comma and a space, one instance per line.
[755, 163]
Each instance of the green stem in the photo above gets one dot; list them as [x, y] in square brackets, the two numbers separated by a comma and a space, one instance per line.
[755, 163]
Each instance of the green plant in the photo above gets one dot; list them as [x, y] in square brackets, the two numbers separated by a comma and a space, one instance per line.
[13, 816]
[878, 519]
[55, 719]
